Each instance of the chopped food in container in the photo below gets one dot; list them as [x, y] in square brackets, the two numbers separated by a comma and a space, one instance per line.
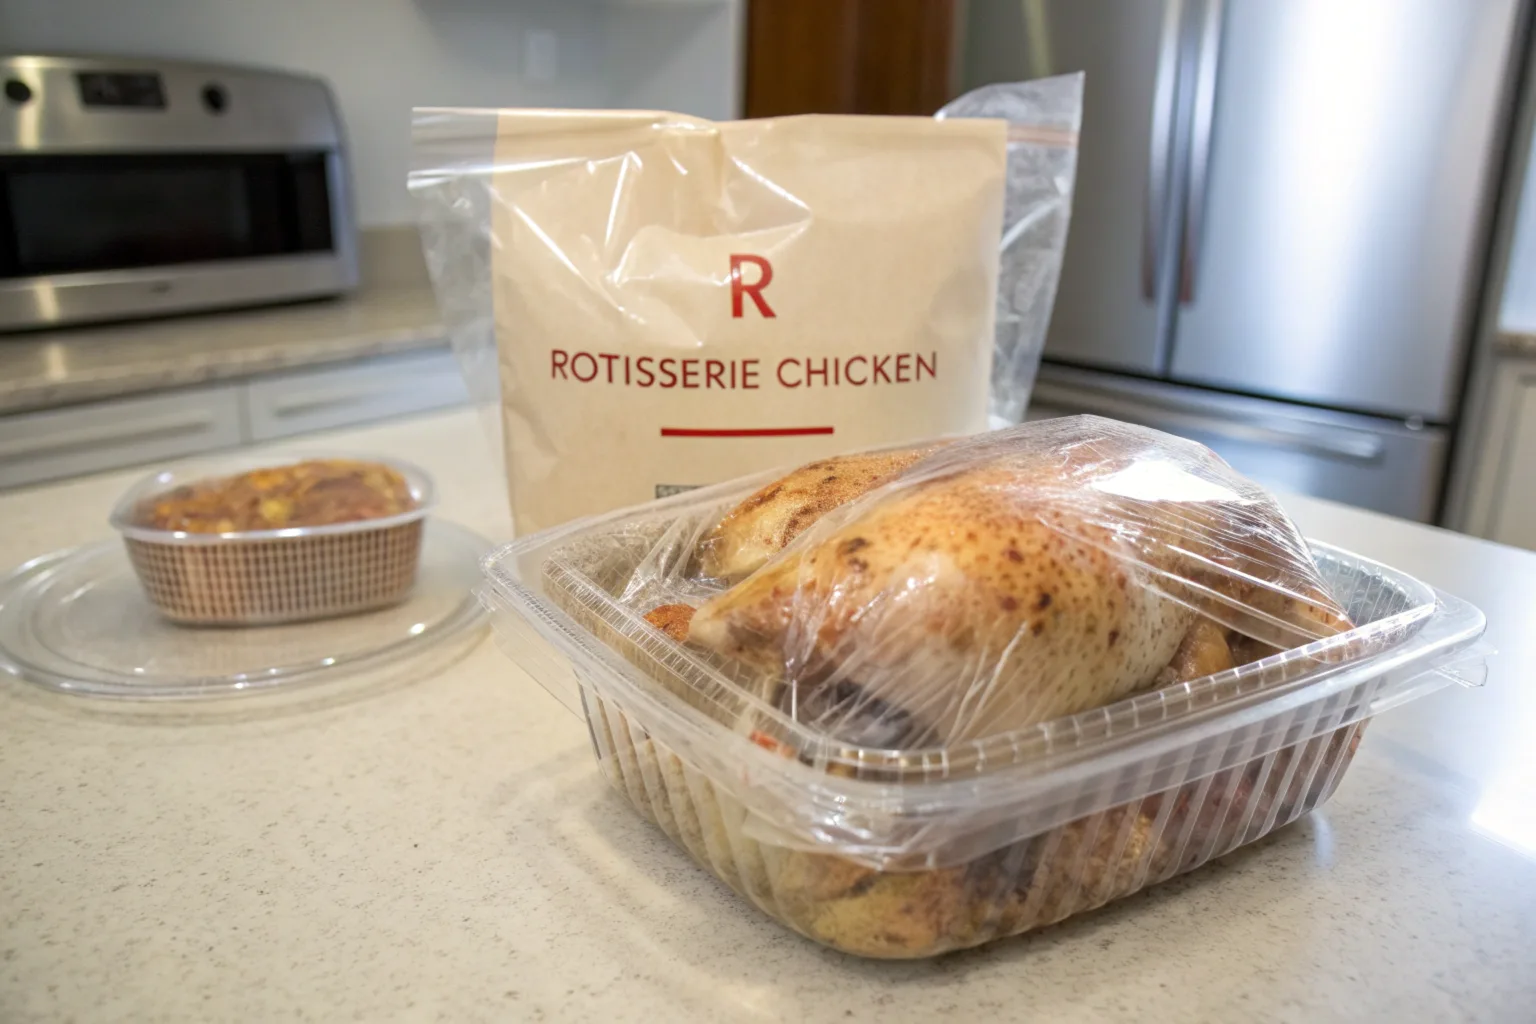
[256, 542]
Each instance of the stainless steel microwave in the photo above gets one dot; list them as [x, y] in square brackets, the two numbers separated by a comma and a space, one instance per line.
[137, 188]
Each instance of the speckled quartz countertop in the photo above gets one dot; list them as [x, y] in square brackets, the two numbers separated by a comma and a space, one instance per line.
[86, 364]
[447, 851]
[1517, 343]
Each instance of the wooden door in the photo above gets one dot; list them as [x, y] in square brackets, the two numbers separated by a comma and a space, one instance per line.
[851, 56]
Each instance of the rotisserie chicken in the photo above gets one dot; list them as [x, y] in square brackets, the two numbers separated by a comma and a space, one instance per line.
[993, 588]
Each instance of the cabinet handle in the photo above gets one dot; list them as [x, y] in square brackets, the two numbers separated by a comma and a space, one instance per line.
[1172, 415]
[1201, 118]
[1155, 203]
[311, 401]
[106, 435]
[315, 400]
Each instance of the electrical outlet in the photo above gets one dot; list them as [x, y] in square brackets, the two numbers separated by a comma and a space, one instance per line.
[541, 55]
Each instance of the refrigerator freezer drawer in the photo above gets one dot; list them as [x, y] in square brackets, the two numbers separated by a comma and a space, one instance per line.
[1359, 460]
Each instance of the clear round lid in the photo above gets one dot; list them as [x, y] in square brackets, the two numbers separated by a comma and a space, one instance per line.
[78, 622]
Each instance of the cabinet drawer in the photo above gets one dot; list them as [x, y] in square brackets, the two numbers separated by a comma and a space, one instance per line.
[50, 445]
[379, 389]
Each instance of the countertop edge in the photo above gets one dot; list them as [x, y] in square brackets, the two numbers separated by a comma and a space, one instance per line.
[164, 374]
[1516, 343]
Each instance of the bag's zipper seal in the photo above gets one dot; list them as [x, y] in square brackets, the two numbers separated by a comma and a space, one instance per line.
[1036, 135]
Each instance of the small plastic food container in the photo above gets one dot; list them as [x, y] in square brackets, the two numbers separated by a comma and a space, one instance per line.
[911, 853]
[270, 576]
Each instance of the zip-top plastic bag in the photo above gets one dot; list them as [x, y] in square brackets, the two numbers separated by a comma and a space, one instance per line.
[651, 302]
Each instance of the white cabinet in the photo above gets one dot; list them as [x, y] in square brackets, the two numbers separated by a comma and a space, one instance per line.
[50, 445]
[58, 443]
[1503, 503]
[376, 390]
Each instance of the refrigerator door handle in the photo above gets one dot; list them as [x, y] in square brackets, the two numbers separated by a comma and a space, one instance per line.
[1164, 94]
[1207, 66]
[1176, 417]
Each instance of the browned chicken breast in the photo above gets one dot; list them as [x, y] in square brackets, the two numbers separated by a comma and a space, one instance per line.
[764, 524]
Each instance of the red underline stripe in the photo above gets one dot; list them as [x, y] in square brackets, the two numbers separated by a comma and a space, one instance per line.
[754, 432]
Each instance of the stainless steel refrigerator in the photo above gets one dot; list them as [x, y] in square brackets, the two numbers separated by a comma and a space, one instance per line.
[1280, 224]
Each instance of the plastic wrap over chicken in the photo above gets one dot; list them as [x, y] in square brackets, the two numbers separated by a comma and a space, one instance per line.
[959, 590]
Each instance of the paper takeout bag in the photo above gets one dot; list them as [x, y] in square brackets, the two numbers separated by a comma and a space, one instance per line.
[674, 302]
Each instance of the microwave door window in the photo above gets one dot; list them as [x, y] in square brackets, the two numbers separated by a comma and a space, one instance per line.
[97, 220]
[70, 215]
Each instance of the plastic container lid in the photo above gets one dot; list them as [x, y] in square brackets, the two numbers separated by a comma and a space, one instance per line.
[78, 622]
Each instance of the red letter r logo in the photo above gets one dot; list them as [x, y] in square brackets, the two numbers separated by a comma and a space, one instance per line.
[740, 287]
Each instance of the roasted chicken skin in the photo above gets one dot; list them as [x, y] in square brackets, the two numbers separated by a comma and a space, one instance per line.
[947, 612]
[671, 619]
[1203, 651]
[764, 524]
[988, 593]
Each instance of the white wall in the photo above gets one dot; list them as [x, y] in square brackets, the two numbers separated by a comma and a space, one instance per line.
[684, 56]
[384, 56]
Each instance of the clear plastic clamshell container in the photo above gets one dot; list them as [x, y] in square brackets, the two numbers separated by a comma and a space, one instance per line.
[271, 576]
[912, 852]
